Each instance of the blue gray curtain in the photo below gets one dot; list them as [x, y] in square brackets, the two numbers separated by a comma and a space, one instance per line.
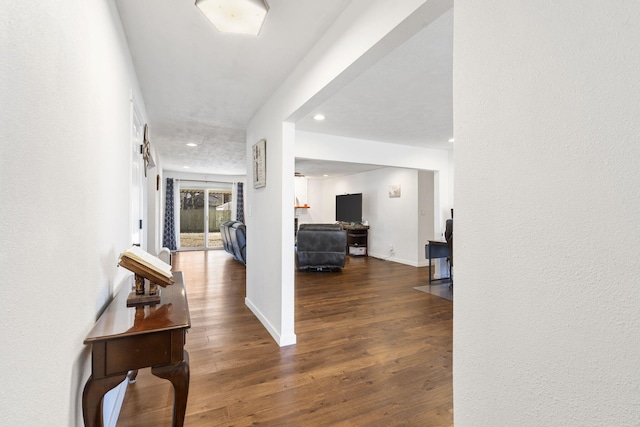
[240, 203]
[169, 235]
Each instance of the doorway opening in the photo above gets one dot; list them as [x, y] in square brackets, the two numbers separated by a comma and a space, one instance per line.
[202, 210]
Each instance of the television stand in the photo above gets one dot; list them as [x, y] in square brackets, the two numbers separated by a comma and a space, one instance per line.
[357, 238]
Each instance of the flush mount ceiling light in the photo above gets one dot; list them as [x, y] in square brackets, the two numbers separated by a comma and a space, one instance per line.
[235, 16]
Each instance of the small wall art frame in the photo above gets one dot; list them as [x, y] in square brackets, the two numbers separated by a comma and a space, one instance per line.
[260, 164]
[394, 191]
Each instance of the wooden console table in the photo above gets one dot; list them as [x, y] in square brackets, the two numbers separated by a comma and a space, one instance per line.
[129, 338]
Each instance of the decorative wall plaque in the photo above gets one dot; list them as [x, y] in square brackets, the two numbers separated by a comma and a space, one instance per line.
[146, 150]
[260, 164]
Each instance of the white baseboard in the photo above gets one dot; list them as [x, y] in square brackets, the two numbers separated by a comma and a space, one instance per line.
[281, 340]
[112, 404]
[395, 259]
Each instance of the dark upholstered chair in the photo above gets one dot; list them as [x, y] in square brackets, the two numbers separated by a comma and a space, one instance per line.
[234, 239]
[448, 236]
[239, 241]
[226, 237]
[321, 247]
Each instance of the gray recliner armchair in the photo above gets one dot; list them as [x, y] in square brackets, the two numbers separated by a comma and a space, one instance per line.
[448, 235]
[321, 247]
[234, 239]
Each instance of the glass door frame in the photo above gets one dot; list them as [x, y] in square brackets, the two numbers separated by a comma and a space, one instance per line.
[206, 187]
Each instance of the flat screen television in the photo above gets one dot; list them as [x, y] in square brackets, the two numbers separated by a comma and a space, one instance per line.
[349, 207]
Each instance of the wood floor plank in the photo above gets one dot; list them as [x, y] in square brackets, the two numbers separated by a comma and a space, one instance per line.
[371, 351]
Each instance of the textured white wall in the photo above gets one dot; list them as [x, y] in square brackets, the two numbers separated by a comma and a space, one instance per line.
[546, 104]
[64, 218]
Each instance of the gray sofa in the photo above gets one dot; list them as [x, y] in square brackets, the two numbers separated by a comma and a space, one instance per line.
[321, 247]
[234, 239]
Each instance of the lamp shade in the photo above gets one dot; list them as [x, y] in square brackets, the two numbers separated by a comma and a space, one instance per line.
[235, 16]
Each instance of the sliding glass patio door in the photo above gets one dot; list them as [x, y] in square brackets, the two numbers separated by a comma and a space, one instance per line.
[192, 213]
[202, 210]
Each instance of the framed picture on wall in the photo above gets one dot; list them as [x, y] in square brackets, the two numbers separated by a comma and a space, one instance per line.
[260, 164]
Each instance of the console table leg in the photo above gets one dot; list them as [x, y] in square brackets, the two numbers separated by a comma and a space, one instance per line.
[178, 374]
[94, 391]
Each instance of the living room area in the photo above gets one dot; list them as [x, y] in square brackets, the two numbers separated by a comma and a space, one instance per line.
[406, 192]
[397, 206]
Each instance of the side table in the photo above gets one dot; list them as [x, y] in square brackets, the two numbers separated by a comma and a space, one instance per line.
[129, 338]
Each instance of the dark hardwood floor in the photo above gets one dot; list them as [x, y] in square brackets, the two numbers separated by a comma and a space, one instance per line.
[371, 351]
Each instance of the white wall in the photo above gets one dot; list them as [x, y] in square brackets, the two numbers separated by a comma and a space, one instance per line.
[426, 214]
[205, 177]
[547, 325]
[153, 205]
[314, 198]
[392, 221]
[65, 165]
[311, 145]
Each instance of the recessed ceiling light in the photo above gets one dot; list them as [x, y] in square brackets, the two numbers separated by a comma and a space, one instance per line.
[451, 140]
[191, 144]
[318, 117]
[186, 167]
[325, 175]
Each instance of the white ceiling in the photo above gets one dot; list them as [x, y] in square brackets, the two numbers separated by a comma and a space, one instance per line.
[203, 86]
[321, 169]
